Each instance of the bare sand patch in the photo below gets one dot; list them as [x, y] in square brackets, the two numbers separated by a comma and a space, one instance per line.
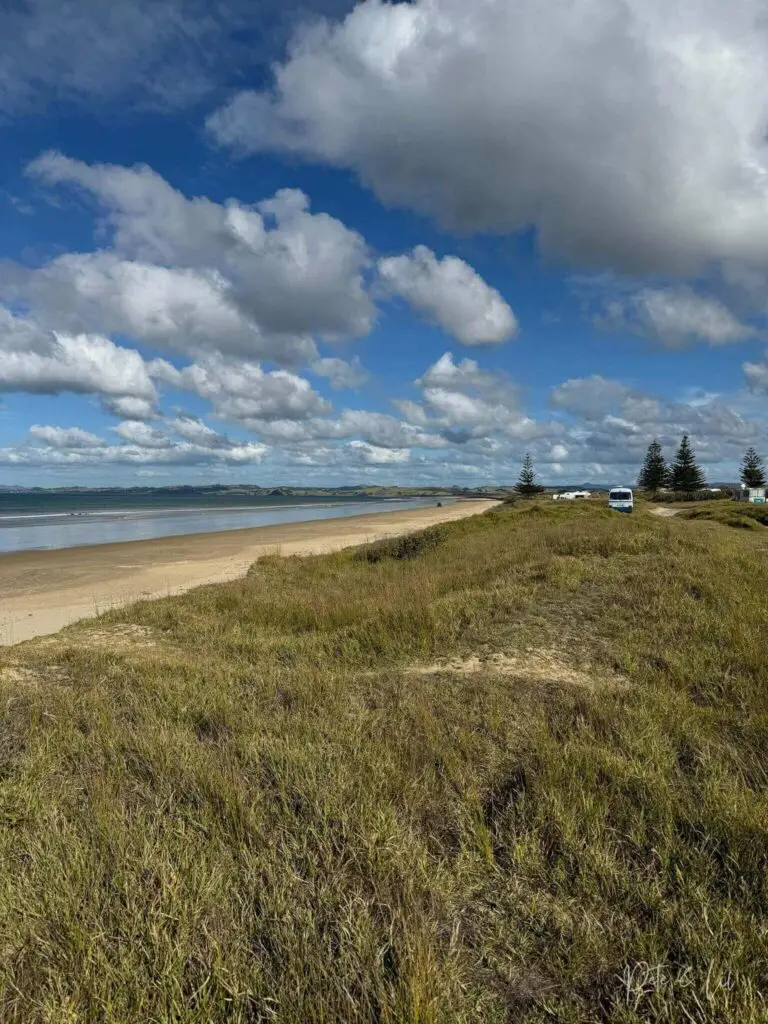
[19, 674]
[538, 665]
[117, 637]
[25, 677]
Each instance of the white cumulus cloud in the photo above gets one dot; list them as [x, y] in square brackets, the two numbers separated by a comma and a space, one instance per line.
[193, 274]
[589, 397]
[129, 408]
[629, 134]
[190, 428]
[244, 392]
[340, 373]
[141, 434]
[41, 361]
[65, 437]
[371, 453]
[676, 316]
[451, 293]
[467, 402]
[613, 423]
[757, 375]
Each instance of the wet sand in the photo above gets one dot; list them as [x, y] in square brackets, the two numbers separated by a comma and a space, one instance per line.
[42, 591]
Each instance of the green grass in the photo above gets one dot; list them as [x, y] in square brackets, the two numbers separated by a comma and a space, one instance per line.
[517, 772]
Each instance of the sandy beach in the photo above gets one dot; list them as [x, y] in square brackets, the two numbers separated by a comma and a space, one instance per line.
[42, 591]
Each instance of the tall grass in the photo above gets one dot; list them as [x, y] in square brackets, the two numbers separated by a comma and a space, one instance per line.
[516, 772]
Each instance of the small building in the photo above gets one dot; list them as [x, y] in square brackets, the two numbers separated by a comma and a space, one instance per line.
[757, 495]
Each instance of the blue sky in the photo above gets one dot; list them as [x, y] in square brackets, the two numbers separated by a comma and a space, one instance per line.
[336, 243]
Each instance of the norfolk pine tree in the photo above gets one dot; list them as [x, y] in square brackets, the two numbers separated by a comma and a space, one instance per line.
[527, 485]
[752, 469]
[686, 476]
[654, 474]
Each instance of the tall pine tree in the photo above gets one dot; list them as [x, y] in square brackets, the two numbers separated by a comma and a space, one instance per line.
[654, 474]
[527, 485]
[686, 475]
[753, 469]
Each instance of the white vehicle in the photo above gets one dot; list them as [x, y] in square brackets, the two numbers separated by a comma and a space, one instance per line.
[571, 495]
[621, 499]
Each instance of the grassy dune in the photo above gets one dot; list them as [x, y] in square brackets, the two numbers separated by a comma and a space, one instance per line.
[513, 770]
[742, 515]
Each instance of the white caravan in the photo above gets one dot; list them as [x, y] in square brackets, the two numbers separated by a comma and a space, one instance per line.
[571, 495]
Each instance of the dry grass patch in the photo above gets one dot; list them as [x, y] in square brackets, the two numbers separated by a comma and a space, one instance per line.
[246, 805]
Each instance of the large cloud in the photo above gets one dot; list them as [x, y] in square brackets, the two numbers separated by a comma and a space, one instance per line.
[180, 308]
[629, 134]
[196, 275]
[451, 293]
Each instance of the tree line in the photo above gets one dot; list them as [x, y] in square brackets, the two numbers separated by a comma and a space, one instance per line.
[683, 474]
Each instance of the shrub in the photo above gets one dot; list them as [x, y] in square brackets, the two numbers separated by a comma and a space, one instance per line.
[667, 497]
[741, 515]
[396, 548]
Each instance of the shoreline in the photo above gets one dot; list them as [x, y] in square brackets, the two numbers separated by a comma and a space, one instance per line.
[43, 591]
[53, 530]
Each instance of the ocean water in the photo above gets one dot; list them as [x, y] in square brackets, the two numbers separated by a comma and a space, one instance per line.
[63, 520]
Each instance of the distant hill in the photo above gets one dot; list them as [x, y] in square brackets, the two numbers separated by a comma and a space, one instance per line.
[580, 487]
[256, 491]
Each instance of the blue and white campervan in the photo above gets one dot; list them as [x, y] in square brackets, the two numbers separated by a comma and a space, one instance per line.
[621, 499]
